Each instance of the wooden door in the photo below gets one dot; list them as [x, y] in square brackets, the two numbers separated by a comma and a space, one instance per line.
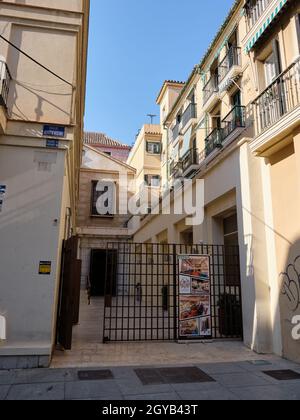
[69, 293]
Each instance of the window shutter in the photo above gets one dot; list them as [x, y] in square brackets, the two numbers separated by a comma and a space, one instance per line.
[277, 56]
[298, 30]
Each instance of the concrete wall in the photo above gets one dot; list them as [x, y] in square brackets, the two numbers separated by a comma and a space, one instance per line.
[283, 166]
[42, 184]
[30, 231]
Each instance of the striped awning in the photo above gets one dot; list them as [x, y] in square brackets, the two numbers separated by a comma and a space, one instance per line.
[266, 25]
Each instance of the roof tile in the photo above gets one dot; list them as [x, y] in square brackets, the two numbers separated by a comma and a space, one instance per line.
[101, 139]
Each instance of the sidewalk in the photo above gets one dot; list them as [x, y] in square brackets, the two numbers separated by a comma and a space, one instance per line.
[214, 381]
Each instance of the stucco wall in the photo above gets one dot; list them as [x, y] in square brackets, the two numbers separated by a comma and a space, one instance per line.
[286, 207]
[29, 233]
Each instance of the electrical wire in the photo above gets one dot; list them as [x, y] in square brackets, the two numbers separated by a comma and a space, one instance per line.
[36, 62]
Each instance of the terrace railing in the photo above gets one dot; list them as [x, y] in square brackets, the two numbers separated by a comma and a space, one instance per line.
[281, 97]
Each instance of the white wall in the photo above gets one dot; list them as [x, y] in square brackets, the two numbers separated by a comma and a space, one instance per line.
[28, 235]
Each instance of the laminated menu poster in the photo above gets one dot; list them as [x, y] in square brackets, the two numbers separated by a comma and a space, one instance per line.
[194, 296]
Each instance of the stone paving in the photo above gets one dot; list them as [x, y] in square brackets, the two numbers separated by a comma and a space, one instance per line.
[241, 380]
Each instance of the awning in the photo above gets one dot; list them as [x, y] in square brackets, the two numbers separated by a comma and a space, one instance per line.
[266, 25]
[186, 142]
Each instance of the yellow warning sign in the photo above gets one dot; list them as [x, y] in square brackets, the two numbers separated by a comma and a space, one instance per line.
[45, 268]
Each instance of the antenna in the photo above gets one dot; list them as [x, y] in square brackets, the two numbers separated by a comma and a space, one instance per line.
[151, 116]
[137, 134]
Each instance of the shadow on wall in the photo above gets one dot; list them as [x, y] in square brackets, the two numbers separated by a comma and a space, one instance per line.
[289, 303]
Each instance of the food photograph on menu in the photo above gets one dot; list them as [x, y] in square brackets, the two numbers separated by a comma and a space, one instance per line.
[196, 267]
[199, 287]
[185, 285]
[194, 306]
[189, 328]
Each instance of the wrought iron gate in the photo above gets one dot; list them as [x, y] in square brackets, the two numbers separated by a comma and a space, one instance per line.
[141, 296]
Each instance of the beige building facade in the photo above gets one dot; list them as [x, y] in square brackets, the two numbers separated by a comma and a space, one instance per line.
[43, 58]
[235, 125]
[97, 228]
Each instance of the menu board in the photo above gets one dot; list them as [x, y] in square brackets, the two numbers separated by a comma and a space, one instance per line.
[194, 296]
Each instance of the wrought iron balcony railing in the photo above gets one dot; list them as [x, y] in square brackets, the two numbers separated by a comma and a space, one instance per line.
[234, 120]
[232, 58]
[213, 141]
[176, 169]
[281, 97]
[5, 79]
[190, 113]
[175, 132]
[190, 159]
[211, 87]
[254, 10]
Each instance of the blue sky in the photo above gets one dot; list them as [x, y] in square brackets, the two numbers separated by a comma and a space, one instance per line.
[134, 46]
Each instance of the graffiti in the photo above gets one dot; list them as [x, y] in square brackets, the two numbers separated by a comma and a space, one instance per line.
[291, 284]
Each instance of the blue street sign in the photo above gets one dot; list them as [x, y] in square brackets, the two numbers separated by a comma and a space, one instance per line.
[54, 131]
[52, 144]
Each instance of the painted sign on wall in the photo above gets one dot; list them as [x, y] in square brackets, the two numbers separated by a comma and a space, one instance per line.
[194, 296]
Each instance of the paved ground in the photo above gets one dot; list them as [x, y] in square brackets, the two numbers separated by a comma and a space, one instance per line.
[239, 380]
[86, 355]
[88, 350]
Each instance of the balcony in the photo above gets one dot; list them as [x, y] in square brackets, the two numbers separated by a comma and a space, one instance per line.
[255, 9]
[5, 79]
[189, 114]
[230, 68]
[190, 162]
[175, 132]
[176, 170]
[213, 141]
[277, 109]
[210, 92]
[230, 129]
[235, 120]
[262, 15]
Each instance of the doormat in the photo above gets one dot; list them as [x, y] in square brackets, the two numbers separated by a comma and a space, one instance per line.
[95, 375]
[283, 375]
[172, 376]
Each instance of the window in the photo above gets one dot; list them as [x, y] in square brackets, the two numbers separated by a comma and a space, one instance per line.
[270, 69]
[254, 9]
[272, 64]
[153, 148]
[236, 99]
[231, 242]
[103, 198]
[107, 153]
[152, 180]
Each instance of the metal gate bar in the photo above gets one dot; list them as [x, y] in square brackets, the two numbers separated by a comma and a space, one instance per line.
[145, 305]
